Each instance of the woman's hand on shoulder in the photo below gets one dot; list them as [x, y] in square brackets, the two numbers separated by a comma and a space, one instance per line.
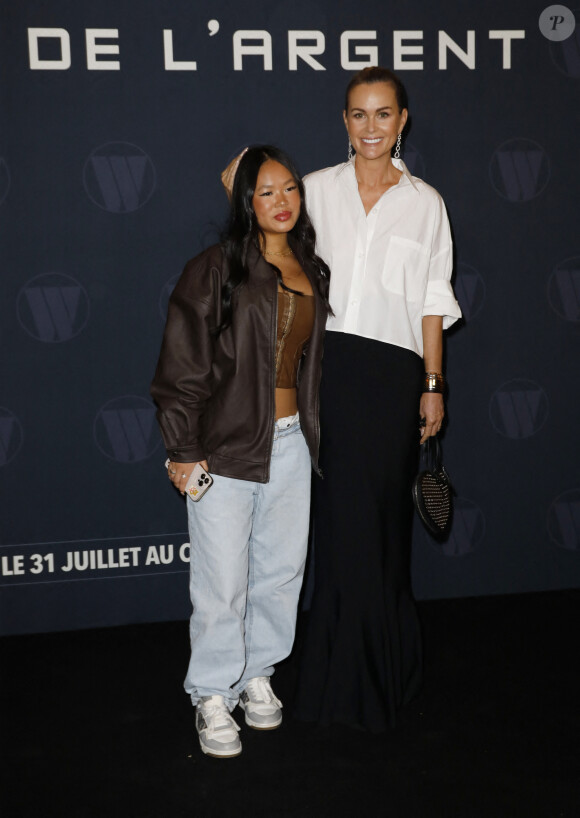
[431, 408]
[179, 473]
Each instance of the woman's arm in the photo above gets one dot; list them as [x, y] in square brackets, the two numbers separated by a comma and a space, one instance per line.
[183, 382]
[440, 310]
[431, 405]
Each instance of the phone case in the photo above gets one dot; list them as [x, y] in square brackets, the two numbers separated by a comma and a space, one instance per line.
[199, 482]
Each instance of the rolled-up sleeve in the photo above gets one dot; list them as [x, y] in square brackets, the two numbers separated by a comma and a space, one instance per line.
[439, 296]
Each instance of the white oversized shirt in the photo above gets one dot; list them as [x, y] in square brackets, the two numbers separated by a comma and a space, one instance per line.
[388, 268]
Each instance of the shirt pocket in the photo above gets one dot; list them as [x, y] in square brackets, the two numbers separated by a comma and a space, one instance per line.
[406, 268]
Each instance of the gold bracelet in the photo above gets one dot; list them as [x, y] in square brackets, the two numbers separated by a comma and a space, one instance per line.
[434, 382]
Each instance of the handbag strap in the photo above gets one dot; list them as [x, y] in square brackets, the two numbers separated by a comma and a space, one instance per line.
[432, 451]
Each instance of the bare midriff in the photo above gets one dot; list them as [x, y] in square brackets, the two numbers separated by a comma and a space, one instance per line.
[286, 402]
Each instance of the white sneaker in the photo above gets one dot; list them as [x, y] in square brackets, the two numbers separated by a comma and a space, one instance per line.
[218, 732]
[263, 710]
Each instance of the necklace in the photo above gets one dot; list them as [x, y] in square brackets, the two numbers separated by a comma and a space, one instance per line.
[288, 252]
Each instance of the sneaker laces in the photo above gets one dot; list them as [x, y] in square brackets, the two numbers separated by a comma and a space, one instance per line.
[217, 716]
[260, 689]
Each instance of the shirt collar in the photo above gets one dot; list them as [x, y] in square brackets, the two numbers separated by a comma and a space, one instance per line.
[407, 178]
[400, 165]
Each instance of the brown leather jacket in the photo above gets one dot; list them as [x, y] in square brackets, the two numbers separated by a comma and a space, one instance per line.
[216, 394]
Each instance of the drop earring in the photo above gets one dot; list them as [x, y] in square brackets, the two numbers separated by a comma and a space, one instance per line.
[350, 153]
[397, 154]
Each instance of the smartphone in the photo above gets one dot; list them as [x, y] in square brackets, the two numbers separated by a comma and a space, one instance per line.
[199, 482]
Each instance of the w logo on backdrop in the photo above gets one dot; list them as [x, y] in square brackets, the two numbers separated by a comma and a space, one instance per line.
[119, 177]
[519, 170]
[467, 529]
[53, 308]
[518, 409]
[470, 291]
[11, 436]
[564, 289]
[125, 429]
[564, 520]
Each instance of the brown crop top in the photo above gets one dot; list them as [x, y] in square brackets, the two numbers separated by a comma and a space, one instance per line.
[295, 322]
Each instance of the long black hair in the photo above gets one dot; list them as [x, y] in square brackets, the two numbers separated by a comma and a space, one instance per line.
[243, 231]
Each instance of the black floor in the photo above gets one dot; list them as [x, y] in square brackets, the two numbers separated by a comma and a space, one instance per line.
[95, 723]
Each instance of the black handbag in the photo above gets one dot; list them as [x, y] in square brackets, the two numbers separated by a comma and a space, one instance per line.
[432, 491]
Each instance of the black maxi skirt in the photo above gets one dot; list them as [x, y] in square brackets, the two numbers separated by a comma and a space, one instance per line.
[361, 659]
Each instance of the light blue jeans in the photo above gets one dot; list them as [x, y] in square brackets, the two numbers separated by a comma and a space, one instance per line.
[248, 550]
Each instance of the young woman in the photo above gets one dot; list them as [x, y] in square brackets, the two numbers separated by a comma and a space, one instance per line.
[386, 238]
[237, 390]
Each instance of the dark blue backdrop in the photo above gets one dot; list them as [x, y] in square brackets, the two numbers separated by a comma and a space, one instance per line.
[110, 155]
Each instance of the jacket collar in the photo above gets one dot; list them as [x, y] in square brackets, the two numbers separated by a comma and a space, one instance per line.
[260, 270]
